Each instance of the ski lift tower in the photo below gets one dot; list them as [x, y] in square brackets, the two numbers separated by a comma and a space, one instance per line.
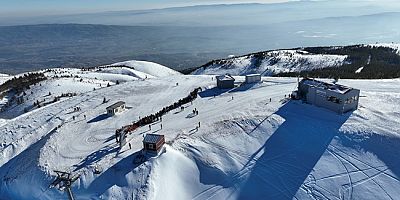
[64, 181]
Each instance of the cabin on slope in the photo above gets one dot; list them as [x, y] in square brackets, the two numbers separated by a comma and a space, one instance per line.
[225, 81]
[253, 78]
[153, 143]
[335, 97]
[116, 108]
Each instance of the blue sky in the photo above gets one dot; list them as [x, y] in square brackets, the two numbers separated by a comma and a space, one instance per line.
[44, 7]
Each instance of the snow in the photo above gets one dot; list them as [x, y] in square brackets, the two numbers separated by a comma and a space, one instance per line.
[4, 78]
[394, 46]
[246, 148]
[150, 68]
[359, 70]
[126, 71]
[72, 80]
[273, 62]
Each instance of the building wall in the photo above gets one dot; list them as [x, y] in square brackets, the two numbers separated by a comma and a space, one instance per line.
[116, 110]
[225, 84]
[351, 104]
[331, 100]
[253, 79]
[154, 147]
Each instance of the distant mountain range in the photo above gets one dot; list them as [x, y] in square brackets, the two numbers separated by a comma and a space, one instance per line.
[250, 14]
[185, 38]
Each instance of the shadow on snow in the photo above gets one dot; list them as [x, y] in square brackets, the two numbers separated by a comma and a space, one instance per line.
[215, 91]
[291, 152]
[99, 118]
[96, 156]
[115, 175]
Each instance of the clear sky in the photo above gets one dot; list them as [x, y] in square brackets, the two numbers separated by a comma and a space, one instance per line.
[45, 7]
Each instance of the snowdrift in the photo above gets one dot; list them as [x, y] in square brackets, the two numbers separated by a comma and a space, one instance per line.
[150, 68]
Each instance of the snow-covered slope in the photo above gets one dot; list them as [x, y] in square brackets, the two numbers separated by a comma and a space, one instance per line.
[246, 147]
[394, 46]
[150, 68]
[272, 62]
[77, 81]
[4, 78]
[125, 71]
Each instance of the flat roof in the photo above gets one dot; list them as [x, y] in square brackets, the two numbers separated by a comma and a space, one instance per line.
[225, 77]
[250, 75]
[326, 86]
[152, 138]
[116, 105]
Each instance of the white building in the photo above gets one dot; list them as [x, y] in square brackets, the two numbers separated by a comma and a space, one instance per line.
[116, 108]
[335, 97]
[253, 78]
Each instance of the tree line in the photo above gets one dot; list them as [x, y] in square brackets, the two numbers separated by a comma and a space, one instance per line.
[377, 63]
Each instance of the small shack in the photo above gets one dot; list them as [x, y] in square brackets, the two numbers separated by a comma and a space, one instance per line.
[335, 97]
[225, 81]
[153, 143]
[253, 78]
[116, 108]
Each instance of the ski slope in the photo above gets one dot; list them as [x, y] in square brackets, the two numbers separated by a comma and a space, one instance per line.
[247, 146]
[71, 80]
[150, 68]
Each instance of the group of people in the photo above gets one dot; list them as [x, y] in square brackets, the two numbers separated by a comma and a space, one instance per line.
[158, 116]
[77, 109]
[195, 111]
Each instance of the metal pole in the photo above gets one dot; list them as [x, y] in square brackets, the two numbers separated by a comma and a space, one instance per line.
[70, 195]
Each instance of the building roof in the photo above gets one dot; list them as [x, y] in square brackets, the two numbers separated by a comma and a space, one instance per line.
[152, 138]
[251, 75]
[226, 77]
[116, 105]
[326, 86]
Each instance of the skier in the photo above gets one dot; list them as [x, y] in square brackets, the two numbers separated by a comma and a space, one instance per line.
[130, 147]
[199, 124]
[161, 126]
[149, 127]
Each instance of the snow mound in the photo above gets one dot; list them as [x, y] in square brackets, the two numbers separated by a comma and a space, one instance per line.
[126, 71]
[272, 62]
[150, 68]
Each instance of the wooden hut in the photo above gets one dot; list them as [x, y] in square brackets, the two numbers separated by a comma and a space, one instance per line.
[153, 143]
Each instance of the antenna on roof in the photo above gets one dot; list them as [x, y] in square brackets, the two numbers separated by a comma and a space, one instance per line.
[64, 181]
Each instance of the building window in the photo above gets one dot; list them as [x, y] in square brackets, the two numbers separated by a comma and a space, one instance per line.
[151, 146]
[351, 100]
[334, 99]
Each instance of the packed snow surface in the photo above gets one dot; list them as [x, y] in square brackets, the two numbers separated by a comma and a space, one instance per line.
[150, 68]
[272, 62]
[71, 80]
[4, 78]
[252, 143]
